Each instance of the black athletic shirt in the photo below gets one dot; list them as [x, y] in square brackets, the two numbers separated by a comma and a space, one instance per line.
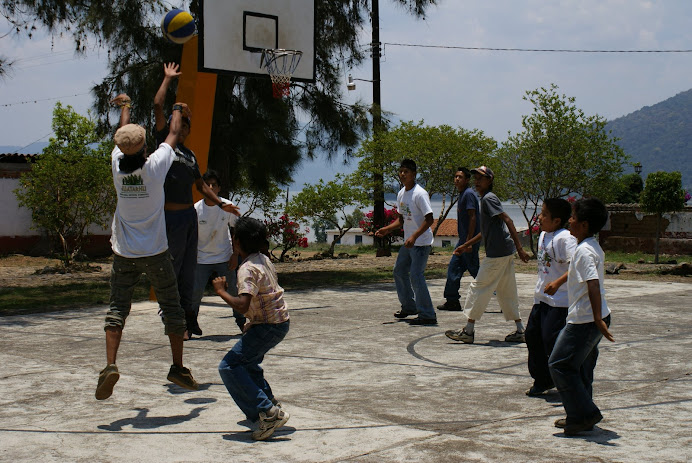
[183, 172]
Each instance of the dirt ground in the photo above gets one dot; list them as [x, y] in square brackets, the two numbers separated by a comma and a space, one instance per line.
[20, 271]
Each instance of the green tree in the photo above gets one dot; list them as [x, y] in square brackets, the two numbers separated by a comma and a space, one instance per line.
[438, 152]
[662, 193]
[328, 202]
[561, 151]
[254, 136]
[70, 187]
[629, 189]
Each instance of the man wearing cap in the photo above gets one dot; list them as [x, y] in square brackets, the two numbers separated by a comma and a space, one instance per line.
[139, 243]
[415, 217]
[496, 272]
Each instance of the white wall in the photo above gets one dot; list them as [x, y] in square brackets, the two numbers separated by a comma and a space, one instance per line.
[16, 221]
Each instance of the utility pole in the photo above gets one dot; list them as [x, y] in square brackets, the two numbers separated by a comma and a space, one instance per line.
[378, 177]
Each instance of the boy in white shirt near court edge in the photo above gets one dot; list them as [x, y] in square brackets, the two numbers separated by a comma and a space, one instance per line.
[549, 313]
[214, 248]
[574, 356]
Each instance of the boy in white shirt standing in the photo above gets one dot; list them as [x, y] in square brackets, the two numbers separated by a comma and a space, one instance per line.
[574, 356]
[416, 217]
[549, 313]
[214, 248]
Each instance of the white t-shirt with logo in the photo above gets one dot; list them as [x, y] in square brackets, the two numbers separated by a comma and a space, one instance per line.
[555, 250]
[214, 245]
[139, 224]
[587, 264]
[414, 205]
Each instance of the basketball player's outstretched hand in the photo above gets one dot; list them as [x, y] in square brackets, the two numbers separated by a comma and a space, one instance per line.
[170, 70]
[120, 100]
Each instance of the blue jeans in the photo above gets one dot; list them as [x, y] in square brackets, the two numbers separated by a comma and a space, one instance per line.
[204, 271]
[181, 231]
[456, 268]
[241, 372]
[571, 364]
[410, 281]
[125, 275]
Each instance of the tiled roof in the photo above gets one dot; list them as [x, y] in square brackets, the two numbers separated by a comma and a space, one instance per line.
[447, 228]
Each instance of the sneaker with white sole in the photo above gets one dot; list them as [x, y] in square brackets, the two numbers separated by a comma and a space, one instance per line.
[267, 424]
[460, 335]
[515, 337]
[107, 379]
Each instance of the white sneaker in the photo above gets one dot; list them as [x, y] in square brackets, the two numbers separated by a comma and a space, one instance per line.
[267, 424]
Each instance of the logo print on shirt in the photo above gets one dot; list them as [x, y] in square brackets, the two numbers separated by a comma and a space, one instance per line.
[133, 187]
[184, 158]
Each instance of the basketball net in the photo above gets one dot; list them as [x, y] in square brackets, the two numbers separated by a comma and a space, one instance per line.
[281, 64]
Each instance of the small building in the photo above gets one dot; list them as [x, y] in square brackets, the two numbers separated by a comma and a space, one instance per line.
[16, 232]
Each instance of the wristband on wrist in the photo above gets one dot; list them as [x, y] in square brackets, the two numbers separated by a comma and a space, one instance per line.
[220, 204]
[177, 107]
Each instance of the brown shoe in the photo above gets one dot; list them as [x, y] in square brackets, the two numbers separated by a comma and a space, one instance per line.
[107, 379]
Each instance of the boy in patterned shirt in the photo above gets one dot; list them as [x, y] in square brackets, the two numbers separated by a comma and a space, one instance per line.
[260, 299]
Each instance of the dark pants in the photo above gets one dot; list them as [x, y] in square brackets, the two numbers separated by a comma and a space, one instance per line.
[456, 268]
[542, 330]
[572, 364]
[181, 230]
[241, 372]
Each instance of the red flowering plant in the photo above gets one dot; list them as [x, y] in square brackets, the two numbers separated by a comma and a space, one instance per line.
[535, 227]
[390, 215]
[286, 235]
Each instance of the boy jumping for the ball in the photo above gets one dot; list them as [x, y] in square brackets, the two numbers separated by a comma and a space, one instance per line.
[260, 299]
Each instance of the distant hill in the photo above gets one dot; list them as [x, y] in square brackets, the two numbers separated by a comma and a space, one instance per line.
[659, 136]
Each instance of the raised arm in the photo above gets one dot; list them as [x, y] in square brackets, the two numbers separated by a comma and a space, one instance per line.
[124, 103]
[179, 109]
[170, 72]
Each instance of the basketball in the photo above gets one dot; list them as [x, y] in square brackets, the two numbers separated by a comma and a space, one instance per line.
[178, 26]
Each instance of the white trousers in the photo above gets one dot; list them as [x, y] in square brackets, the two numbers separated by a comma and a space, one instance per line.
[495, 274]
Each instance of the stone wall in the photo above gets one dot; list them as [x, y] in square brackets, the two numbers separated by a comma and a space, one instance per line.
[630, 229]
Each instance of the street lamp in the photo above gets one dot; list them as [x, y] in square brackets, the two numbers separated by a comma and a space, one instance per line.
[638, 168]
[351, 84]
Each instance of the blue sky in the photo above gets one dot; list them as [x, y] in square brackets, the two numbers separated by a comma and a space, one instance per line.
[472, 89]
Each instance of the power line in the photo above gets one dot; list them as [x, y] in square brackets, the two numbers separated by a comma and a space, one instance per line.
[43, 99]
[534, 50]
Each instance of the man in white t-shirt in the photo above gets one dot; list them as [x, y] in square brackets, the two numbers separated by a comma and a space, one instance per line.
[139, 243]
[214, 248]
[416, 217]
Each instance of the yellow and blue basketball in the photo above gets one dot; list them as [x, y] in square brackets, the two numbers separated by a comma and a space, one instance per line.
[178, 26]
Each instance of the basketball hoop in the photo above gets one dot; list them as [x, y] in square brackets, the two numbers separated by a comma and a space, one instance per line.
[280, 65]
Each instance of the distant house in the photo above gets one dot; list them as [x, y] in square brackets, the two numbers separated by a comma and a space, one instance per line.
[16, 232]
[446, 235]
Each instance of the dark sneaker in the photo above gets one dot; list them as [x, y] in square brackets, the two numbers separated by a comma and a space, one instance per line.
[107, 379]
[460, 335]
[515, 337]
[572, 429]
[195, 329]
[402, 314]
[182, 377]
[267, 424]
[453, 306]
[537, 391]
[423, 321]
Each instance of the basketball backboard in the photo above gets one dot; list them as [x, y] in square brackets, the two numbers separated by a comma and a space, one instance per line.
[232, 34]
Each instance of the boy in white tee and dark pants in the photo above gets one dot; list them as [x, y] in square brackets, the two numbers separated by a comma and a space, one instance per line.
[574, 356]
[416, 217]
[214, 248]
[555, 249]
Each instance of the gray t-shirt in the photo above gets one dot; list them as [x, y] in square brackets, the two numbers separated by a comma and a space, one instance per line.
[496, 238]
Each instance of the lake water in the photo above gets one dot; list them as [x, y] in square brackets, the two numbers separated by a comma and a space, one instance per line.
[513, 210]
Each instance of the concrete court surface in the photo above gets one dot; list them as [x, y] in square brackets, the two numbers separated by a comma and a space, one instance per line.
[359, 386]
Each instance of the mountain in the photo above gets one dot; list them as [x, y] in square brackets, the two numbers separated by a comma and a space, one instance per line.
[659, 136]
